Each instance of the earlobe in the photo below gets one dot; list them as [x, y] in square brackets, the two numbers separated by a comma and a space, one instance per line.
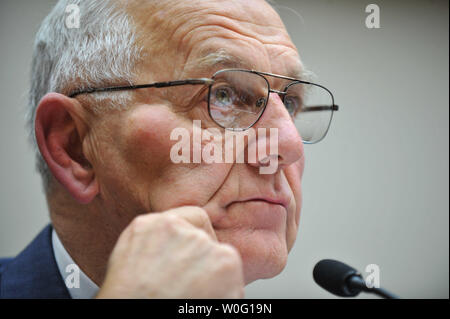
[59, 133]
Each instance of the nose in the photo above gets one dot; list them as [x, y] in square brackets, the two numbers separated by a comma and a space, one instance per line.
[290, 144]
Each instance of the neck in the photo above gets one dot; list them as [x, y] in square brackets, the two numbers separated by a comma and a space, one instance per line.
[88, 232]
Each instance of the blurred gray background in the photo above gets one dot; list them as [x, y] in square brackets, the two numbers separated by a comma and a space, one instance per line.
[375, 190]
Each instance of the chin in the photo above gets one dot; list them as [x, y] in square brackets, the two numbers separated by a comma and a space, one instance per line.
[264, 252]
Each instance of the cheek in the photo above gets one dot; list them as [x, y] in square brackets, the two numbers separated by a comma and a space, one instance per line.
[146, 147]
[294, 175]
[133, 148]
[146, 135]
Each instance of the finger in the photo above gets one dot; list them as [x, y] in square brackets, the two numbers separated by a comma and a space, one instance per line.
[195, 216]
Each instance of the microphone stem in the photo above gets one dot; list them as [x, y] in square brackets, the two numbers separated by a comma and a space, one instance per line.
[383, 293]
[356, 282]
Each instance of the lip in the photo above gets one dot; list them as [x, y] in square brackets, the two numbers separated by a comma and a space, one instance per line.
[271, 200]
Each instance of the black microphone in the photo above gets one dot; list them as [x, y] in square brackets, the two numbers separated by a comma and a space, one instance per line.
[343, 280]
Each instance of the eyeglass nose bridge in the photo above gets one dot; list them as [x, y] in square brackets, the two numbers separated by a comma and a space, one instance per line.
[278, 92]
[282, 94]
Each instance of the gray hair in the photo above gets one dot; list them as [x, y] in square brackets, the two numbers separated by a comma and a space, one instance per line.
[103, 50]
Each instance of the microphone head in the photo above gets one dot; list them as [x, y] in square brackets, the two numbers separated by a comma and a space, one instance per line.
[332, 275]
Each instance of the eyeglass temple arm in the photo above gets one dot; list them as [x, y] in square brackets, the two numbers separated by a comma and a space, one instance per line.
[204, 81]
[316, 108]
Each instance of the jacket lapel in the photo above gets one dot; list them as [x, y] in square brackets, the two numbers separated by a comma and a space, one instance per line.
[34, 272]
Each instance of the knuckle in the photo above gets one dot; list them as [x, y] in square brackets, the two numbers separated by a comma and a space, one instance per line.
[229, 257]
[197, 236]
[168, 220]
[229, 251]
[168, 223]
[144, 223]
[201, 214]
[138, 224]
[202, 236]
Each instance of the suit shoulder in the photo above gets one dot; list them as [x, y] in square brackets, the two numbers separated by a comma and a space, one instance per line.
[4, 261]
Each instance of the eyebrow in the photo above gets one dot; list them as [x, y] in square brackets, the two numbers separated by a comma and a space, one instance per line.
[221, 58]
[215, 59]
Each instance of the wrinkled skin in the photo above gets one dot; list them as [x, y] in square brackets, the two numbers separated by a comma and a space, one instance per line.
[142, 174]
[129, 150]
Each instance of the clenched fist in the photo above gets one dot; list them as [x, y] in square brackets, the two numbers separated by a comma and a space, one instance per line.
[174, 254]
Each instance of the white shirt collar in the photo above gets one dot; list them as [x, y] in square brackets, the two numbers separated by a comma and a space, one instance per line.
[79, 285]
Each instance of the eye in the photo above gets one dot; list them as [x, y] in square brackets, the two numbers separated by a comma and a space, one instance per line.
[223, 96]
[292, 104]
[260, 102]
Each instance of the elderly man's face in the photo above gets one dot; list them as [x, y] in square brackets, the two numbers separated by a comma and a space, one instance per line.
[256, 213]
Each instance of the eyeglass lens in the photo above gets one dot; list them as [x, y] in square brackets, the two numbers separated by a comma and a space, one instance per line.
[237, 100]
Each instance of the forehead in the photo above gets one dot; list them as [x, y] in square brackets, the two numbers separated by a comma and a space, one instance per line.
[249, 33]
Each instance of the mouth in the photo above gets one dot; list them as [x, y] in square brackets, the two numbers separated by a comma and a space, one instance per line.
[269, 200]
[258, 212]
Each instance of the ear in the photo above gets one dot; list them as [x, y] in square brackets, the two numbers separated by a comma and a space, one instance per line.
[60, 130]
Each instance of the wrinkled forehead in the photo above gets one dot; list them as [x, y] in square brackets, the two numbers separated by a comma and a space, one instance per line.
[205, 35]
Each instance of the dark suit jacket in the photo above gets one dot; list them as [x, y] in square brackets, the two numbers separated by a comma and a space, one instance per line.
[34, 272]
